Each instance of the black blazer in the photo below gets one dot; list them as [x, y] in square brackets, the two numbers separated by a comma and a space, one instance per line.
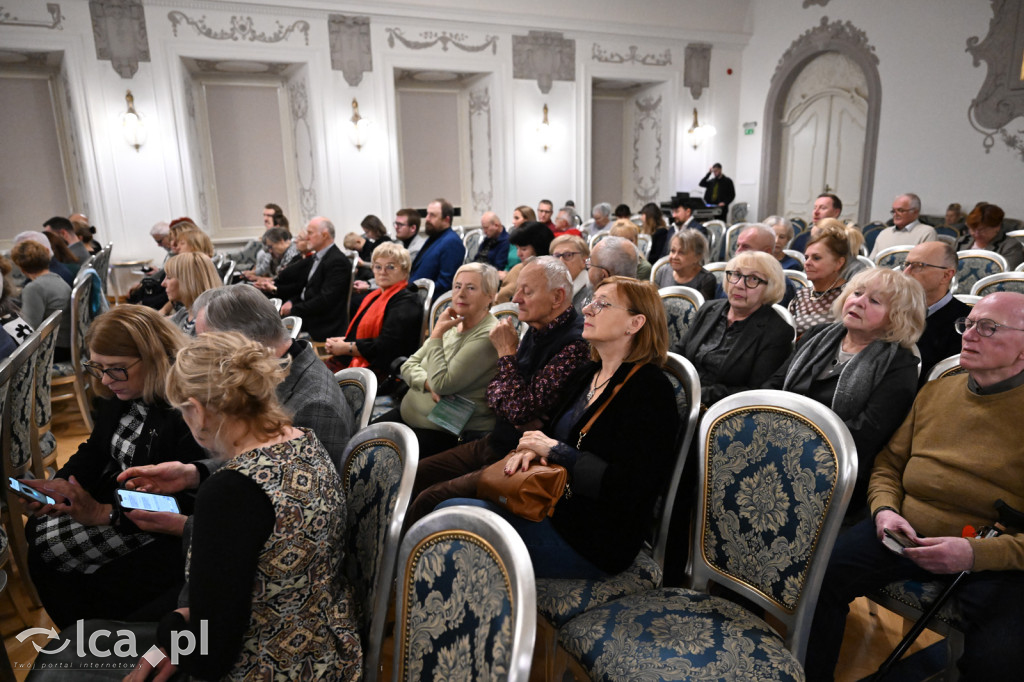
[763, 345]
[324, 311]
[940, 339]
[292, 278]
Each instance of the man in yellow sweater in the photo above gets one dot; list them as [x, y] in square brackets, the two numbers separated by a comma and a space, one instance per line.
[958, 451]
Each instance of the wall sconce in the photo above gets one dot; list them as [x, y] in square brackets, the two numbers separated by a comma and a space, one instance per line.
[544, 130]
[700, 133]
[359, 133]
[132, 126]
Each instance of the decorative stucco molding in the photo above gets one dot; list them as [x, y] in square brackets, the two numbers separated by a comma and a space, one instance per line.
[52, 8]
[442, 38]
[240, 28]
[545, 55]
[647, 117]
[481, 176]
[305, 164]
[1001, 97]
[847, 39]
[810, 3]
[697, 69]
[119, 30]
[600, 54]
[350, 46]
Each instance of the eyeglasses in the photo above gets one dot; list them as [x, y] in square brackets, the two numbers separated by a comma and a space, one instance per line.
[398, 224]
[115, 373]
[390, 267]
[568, 255]
[597, 305]
[752, 281]
[914, 265]
[592, 264]
[900, 211]
[984, 326]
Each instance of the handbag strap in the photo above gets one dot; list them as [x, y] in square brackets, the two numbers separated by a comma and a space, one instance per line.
[593, 417]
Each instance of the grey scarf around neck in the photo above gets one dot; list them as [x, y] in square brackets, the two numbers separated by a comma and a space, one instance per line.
[857, 379]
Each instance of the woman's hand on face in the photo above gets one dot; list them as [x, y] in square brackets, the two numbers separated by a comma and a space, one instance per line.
[164, 478]
[80, 505]
[448, 319]
[538, 443]
[520, 461]
[167, 523]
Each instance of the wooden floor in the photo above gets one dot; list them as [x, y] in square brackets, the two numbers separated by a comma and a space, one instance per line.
[869, 639]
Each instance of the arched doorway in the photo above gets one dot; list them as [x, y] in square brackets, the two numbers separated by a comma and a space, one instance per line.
[832, 74]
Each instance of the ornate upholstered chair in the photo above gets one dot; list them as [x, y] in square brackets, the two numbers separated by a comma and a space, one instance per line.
[799, 225]
[42, 442]
[946, 368]
[967, 298]
[777, 471]
[425, 291]
[1001, 281]
[732, 238]
[797, 255]
[799, 279]
[716, 235]
[359, 386]
[866, 262]
[643, 242]
[442, 303]
[472, 242]
[870, 233]
[71, 373]
[293, 323]
[976, 264]
[681, 305]
[658, 265]
[465, 605]
[377, 471]
[784, 313]
[102, 266]
[892, 257]
[718, 270]
[510, 310]
[560, 600]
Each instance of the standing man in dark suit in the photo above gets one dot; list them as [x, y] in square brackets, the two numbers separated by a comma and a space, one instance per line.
[718, 189]
[933, 264]
[323, 302]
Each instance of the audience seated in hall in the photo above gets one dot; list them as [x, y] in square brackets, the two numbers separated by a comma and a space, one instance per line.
[61, 251]
[44, 294]
[625, 228]
[654, 225]
[85, 558]
[387, 324]
[861, 365]
[573, 253]
[55, 265]
[611, 257]
[531, 239]
[291, 278]
[494, 245]
[457, 361]
[737, 343]
[682, 214]
[253, 256]
[827, 251]
[407, 230]
[758, 237]
[530, 381]
[985, 230]
[826, 206]
[614, 430]
[906, 229]
[687, 251]
[565, 223]
[188, 275]
[248, 586]
[63, 228]
[935, 477]
[933, 265]
[545, 211]
[602, 215]
[324, 296]
[277, 244]
[443, 252]
[783, 230]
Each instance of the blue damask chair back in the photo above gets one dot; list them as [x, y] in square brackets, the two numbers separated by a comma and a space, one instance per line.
[510, 311]
[681, 306]
[799, 225]
[472, 243]
[465, 608]
[718, 270]
[732, 238]
[443, 302]
[102, 266]
[946, 368]
[870, 232]
[359, 386]
[71, 373]
[716, 235]
[798, 278]
[1001, 281]
[425, 292]
[777, 472]
[892, 257]
[43, 442]
[377, 471]
[658, 265]
[974, 265]
[17, 437]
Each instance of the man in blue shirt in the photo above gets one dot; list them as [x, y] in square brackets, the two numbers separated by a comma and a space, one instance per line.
[494, 246]
[443, 252]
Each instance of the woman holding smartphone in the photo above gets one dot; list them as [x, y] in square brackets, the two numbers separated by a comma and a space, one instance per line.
[86, 558]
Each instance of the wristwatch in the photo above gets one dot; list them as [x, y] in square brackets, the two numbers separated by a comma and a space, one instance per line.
[115, 514]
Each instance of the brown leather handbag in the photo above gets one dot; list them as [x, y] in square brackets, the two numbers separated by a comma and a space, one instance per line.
[533, 494]
[530, 494]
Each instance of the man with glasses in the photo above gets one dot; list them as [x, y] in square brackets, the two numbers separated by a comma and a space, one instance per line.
[956, 454]
[407, 229]
[933, 265]
[906, 230]
[573, 252]
[545, 209]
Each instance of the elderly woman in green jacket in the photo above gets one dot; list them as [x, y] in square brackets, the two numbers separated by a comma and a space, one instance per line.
[453, 367]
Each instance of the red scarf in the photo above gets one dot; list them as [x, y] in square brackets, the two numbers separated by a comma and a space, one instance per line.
[373, 320]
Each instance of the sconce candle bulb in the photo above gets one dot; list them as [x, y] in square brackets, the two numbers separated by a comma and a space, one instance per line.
[132, 126]
[360, 130]
[544, 130]
[699, 133]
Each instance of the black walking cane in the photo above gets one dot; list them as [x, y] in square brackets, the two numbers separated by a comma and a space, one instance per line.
[1008, 518]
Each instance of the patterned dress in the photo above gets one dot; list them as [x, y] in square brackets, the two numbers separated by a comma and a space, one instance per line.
[301, 624]
[810, 308]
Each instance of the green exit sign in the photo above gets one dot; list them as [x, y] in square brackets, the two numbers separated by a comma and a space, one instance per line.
[748, 127]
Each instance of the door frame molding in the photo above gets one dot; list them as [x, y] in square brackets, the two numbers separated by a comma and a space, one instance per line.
[842, 37]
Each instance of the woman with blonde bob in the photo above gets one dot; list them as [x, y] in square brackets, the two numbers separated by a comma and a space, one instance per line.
[278, 490]
[738, 342]
[188, 275]
[614, 432]
[86, 558]
[194, 241]
[862, 366]
[457, 359]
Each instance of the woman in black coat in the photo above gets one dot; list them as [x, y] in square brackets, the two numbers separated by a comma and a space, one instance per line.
[738, 342]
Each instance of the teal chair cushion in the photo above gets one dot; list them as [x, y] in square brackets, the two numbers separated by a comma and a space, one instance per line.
[680, 314]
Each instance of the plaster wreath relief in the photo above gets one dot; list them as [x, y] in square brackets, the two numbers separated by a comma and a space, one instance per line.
[444, 38]
[480, 169]
[52, 8]
[600, 54]
[241, 28]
